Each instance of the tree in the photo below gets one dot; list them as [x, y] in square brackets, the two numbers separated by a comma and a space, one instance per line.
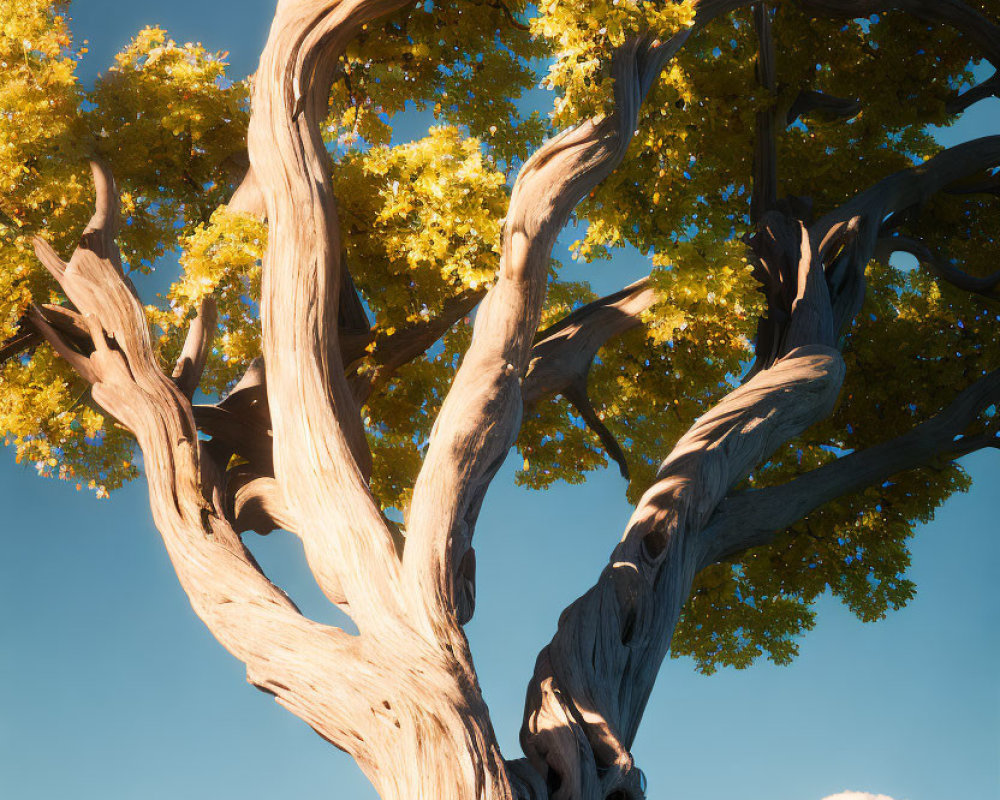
[800, 477]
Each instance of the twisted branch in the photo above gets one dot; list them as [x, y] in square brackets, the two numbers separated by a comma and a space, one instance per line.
[753, 518]
[591, 683]
[285, 654]
[481, 415]
[564, 352]
[987, 286]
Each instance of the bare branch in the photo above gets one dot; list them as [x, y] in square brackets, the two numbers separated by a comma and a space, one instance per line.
[988, 183]
[248, 199]
[482, 413]
[424, 730]
[241, 434]
[780, 253]
[73, 357]
[23, 340]
[258, 506]
[562, 357]
[320, 452]
[592, 681]
[100, 233]
[285, 654]
[197, 345]
[65, 321]
[809, 101]
[752, 518]
[987, 286]
[988, 88]
[401, 347]
[861, 219]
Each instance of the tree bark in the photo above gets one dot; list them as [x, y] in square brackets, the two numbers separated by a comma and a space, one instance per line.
[591, 683]
[431, 736]
[402, 696]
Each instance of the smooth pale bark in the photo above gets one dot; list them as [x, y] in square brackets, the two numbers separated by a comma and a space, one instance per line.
[197, 345]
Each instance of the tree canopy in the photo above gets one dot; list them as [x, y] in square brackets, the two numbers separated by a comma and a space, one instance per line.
[787, 105]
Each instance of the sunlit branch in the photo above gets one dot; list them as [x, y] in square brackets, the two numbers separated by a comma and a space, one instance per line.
[753, 518]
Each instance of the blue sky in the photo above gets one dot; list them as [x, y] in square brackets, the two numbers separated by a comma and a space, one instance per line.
[112, 689]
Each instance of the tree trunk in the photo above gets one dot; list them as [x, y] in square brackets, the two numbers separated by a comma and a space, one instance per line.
[402, 696]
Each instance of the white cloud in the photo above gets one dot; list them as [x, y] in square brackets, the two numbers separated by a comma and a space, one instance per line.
[857, 796]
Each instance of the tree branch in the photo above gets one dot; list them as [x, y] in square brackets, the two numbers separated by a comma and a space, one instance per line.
[861, 219]
[988, 183]
[592, 681]
[197, 346]
[847, 238]
[752, 518]
[988, 88]
[393, 351]
[320, 452]
[76, 359]
[809, 101]
[248, 198]
[424, 731]
[286, 654]
[258, 505]
[987, 286]
[564, 352]
[65, 321]
[482, 413]
[971, 23]
[765, 156]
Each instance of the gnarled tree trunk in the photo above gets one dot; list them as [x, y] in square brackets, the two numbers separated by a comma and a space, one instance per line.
[402, 695]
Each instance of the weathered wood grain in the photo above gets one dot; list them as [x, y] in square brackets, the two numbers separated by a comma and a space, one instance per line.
[402, 696]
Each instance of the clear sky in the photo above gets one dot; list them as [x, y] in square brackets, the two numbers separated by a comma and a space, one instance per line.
[111, 688]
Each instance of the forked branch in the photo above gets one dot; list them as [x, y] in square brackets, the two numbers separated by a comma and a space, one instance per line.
[592, 681]
[482, 412]
[320, 454]
[848, 236]
[286, 654]
[753, 518]
[564, 352]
